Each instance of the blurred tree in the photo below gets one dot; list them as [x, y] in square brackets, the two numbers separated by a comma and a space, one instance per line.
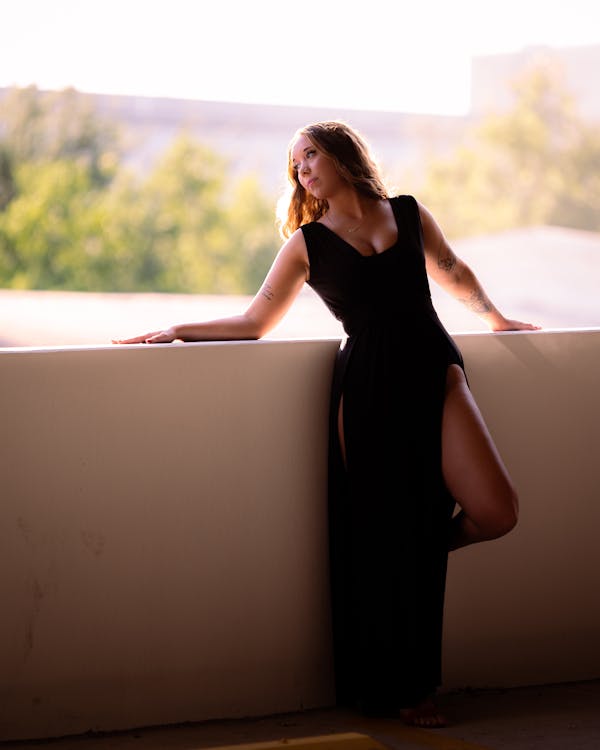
[21, 122]
[7, 178]
[199, 240]
[56, 157]
[42, 227]
[252, 223]
[37, 125]
[184, 196]
[72, 218]
[537, 164]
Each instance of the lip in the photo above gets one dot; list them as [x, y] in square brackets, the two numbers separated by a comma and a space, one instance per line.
[310, 182]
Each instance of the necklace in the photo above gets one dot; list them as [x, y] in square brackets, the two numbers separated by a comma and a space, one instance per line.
[349, 230]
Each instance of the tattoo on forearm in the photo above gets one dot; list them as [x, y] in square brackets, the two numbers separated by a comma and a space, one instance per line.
[267, 292]
[477, 301]
[446, 258]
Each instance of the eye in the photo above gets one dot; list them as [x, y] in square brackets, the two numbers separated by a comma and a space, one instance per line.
[307, 155]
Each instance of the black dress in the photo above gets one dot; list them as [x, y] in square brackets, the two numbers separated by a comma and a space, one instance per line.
[389, 507]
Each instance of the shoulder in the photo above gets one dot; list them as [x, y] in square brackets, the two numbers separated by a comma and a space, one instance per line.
[408, 208]
[411, 205]
[313, 235]
[428, 221]
[296, 242]
[403, 199]
[309, 229]
[405, 203]
[294, 249]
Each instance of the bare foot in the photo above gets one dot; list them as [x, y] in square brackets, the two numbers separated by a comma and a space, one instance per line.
[424, 714]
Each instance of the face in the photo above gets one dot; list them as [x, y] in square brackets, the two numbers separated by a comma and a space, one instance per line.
[316, 172]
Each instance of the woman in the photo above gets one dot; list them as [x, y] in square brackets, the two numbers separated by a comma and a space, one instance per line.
[408, 443]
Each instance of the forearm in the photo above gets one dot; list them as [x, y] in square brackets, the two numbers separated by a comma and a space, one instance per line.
[467, 289]
[455, 277]
[282, 284]
[235, 328]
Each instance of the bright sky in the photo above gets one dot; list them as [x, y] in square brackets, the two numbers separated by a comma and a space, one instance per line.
[403, 55]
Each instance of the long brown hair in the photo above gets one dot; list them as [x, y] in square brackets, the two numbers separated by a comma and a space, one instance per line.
[352, 158]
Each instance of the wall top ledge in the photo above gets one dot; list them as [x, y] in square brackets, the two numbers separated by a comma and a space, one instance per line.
[326, 342]
[267, 342]
[541, 332]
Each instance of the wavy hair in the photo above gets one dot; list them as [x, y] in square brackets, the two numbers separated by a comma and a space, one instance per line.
[353, 160]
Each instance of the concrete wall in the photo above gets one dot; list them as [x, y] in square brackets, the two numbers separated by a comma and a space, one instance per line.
[525, 609]
[163, 530]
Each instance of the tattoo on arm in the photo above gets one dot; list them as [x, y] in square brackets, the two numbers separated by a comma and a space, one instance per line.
[267, 292]
[446, 258]
[477, 301]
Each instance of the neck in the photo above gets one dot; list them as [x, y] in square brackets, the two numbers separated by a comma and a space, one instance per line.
[349, 213]
[348, 205]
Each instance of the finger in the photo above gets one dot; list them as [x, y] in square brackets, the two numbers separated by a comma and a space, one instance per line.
[519, 325]
[158, 338]
[134, 340]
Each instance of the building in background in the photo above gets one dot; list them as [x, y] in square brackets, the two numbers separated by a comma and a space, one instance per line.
[492, 77]
[254, 137]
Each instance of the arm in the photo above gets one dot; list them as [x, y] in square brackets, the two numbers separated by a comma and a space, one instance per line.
[284, 280]
[457, 278]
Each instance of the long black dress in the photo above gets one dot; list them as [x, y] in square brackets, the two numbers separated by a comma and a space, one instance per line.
[389, 507]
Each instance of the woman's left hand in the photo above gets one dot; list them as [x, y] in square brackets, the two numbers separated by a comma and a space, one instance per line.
[505, 324]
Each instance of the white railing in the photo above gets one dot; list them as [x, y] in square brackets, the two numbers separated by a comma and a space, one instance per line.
[163, 530]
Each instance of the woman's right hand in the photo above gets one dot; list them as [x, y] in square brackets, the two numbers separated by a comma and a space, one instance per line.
[284, 280]
[156, 337]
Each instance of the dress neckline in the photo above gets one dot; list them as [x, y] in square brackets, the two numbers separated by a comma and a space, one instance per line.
[355, 250]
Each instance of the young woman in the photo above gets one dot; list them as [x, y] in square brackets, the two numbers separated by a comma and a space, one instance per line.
[408, 443]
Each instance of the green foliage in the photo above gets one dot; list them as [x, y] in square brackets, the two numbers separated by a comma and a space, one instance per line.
[537, 164]
[191, 237]
[42, 228]
[50, 126]
[73, 218]
[7, 178]
[253, 231]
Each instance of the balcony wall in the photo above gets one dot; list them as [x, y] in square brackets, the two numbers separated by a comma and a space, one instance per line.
[163, 530]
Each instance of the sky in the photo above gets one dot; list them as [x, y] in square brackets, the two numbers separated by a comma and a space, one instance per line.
[394, 55]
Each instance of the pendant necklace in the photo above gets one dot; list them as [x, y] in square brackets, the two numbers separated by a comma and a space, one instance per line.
[350, 230]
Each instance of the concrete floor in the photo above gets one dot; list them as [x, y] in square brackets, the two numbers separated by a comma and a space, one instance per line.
[552, 717]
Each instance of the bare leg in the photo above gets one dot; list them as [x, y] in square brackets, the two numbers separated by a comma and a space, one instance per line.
[480, 484]
[473, 470]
